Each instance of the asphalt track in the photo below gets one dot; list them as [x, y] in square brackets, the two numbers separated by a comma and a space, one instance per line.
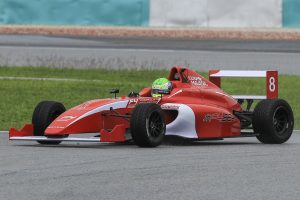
[115, 53]
[240, 168]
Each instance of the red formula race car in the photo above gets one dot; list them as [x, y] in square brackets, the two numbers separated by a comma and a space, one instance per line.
[195, 108]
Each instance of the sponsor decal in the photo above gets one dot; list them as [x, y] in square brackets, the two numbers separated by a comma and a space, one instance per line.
[149, 100]
[66, 118]
[134, 101]
[56, 127]
[197, 81]
[170, 107]
[221, 117]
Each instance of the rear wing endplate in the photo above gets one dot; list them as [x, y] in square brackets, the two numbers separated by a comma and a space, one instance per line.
[271, 77]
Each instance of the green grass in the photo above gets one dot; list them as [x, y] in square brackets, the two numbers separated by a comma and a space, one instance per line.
[19, 97]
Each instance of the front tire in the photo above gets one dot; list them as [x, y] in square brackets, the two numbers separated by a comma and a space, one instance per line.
[147, 125]
[44, 113]
[273, 120]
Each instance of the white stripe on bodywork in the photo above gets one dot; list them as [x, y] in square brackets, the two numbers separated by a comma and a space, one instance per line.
[184, 125]
[179, 91]
[114, 105]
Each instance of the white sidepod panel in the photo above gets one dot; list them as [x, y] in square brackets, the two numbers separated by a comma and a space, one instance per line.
[184, 125]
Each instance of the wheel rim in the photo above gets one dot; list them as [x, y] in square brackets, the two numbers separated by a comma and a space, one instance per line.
[280, 120]
[155, 125]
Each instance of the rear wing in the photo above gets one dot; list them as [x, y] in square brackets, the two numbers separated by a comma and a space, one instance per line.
[271, 77]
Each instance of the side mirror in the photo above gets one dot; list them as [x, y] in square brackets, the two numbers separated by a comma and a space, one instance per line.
[133, 94]
[114, 91]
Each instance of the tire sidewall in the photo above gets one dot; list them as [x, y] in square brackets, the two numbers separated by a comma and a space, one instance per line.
[263, 121]
[139, 122]
[44, 114]
[280, 138]
[155, 140]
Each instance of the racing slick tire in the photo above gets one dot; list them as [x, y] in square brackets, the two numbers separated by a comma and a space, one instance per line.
[273, 120]
[44, 113]
[147, 125]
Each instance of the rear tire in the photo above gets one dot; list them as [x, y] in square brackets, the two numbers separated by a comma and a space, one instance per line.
[147, 125]
[44, 113]
[273, 120]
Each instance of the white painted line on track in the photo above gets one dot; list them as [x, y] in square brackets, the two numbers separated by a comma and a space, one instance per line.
[144, 50]
[46, 79]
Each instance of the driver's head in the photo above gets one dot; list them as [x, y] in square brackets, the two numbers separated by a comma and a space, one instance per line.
[161, 86]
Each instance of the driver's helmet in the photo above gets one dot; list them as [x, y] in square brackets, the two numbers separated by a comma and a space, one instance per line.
[161, 86]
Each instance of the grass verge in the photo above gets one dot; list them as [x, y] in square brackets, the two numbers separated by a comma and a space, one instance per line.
[19, 97]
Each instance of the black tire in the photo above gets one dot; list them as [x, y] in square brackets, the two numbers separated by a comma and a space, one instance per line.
[44, 113]
[147, 125]
[273, 120]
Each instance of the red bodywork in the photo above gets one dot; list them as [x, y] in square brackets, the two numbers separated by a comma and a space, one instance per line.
[195, 108]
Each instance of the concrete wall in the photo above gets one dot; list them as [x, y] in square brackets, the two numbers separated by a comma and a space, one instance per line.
[216, 13]
[178, 13]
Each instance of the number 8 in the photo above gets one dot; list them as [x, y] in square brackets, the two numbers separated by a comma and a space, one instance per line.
[272, 85]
